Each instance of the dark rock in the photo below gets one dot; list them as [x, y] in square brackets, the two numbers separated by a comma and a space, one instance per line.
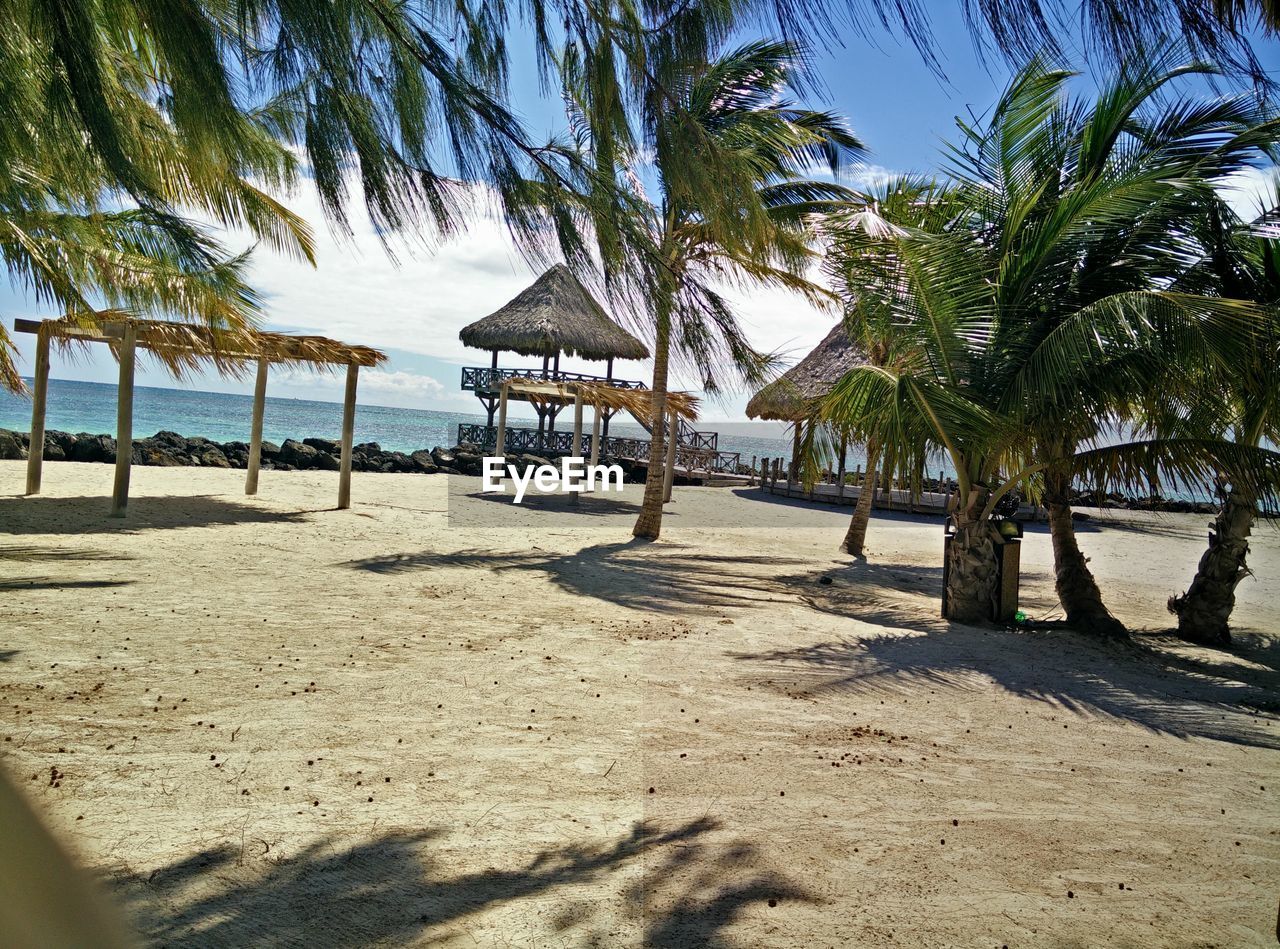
[369, 448]
[297, 454]
[326, 462]
[52, 450]
[94, 448]
[11, 448]
[467, 461]
[64, 440]
[270, 450]
[423, 461]
[442, 456]
[212, 457]
[323, 444]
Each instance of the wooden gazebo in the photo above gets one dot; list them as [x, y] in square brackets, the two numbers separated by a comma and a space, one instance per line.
[554, 315]
[788, 398]
[181, 347]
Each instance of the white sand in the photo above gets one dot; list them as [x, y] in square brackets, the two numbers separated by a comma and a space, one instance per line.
[524, 676]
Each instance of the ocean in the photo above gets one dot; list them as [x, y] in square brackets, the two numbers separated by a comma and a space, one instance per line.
[91, 407]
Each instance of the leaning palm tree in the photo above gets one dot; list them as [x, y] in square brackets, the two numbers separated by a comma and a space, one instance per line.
[1039, 315]
[745, 223]
[726, 152]
[900, 201]
[1240, 259]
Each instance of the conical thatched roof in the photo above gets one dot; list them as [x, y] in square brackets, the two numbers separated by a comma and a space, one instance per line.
[555, 314]
[787, 396]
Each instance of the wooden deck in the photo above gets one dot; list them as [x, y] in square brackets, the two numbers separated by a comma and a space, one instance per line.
[929, 502]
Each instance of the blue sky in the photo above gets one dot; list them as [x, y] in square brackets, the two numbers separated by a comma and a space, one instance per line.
[897, 106]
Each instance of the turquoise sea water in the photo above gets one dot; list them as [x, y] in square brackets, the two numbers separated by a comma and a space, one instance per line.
[91, 407]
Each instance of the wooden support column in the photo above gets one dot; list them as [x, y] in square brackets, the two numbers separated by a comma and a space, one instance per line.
[575, 450]
[844, 447]
[124, 422]
[255, 428]
[595, 435]
[500, 442]
[669, 476]
[39, 400]
[348, 436]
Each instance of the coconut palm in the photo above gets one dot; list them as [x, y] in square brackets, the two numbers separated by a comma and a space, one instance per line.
[1040, 314]
[728, 155]
[1240, 260]
[851, 231]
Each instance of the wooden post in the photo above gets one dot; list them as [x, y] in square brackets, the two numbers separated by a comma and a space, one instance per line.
[844, 447]
[501, 438]
[575, 449]
[124, 422]
[348, 436]
[595, 435]
[39, 399]
[255, 428]
[669, 476]
[752, 480]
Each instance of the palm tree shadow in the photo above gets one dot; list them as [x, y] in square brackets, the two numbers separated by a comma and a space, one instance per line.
[388, 890]
[1143, 682]
[637, 574]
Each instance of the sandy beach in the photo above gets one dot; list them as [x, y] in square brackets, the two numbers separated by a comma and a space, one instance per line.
[437, 719]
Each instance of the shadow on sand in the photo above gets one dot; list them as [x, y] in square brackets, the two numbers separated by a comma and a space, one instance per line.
[1150, 682]
[588, 505]
[89, 515]
[389, 891]
[636, 574]
[1153, 681]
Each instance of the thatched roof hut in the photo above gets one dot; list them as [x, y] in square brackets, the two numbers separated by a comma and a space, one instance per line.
[556, 314]
[786, 398]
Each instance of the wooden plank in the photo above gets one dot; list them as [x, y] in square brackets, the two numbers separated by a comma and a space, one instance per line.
[844, 448]
[124, 425]
[109, 332]
[595, 435]
[348, 436]
[499, 447]
[39, 401]
[576, 450]
[255, 431]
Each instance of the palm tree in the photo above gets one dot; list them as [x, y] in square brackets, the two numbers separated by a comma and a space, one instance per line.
[1239, 260]
[1038, 316]
[729, 153]
[896, 202]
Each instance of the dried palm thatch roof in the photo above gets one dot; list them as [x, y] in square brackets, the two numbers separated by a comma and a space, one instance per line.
[787, 397]
[601, 395]
[555, 314]
[183, 347]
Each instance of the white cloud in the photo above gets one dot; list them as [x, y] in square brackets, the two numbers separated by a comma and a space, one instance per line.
[398, 387]
[357, 294]
[1249, 190]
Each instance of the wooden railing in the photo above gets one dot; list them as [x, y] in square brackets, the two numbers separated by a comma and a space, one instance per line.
[488, 379]
[533, 441]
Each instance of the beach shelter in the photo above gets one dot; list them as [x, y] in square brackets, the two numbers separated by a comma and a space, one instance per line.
[788, 397]
[554, 315]
[182, 347]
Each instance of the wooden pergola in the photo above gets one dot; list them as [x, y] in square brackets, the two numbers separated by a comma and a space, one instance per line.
[181, 347]
[602, 397]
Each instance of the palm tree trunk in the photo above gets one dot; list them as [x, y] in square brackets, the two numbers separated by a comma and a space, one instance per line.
[649, 523]
[1077, 590]
[972, 586]
[1204, 611]
[856, 536]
